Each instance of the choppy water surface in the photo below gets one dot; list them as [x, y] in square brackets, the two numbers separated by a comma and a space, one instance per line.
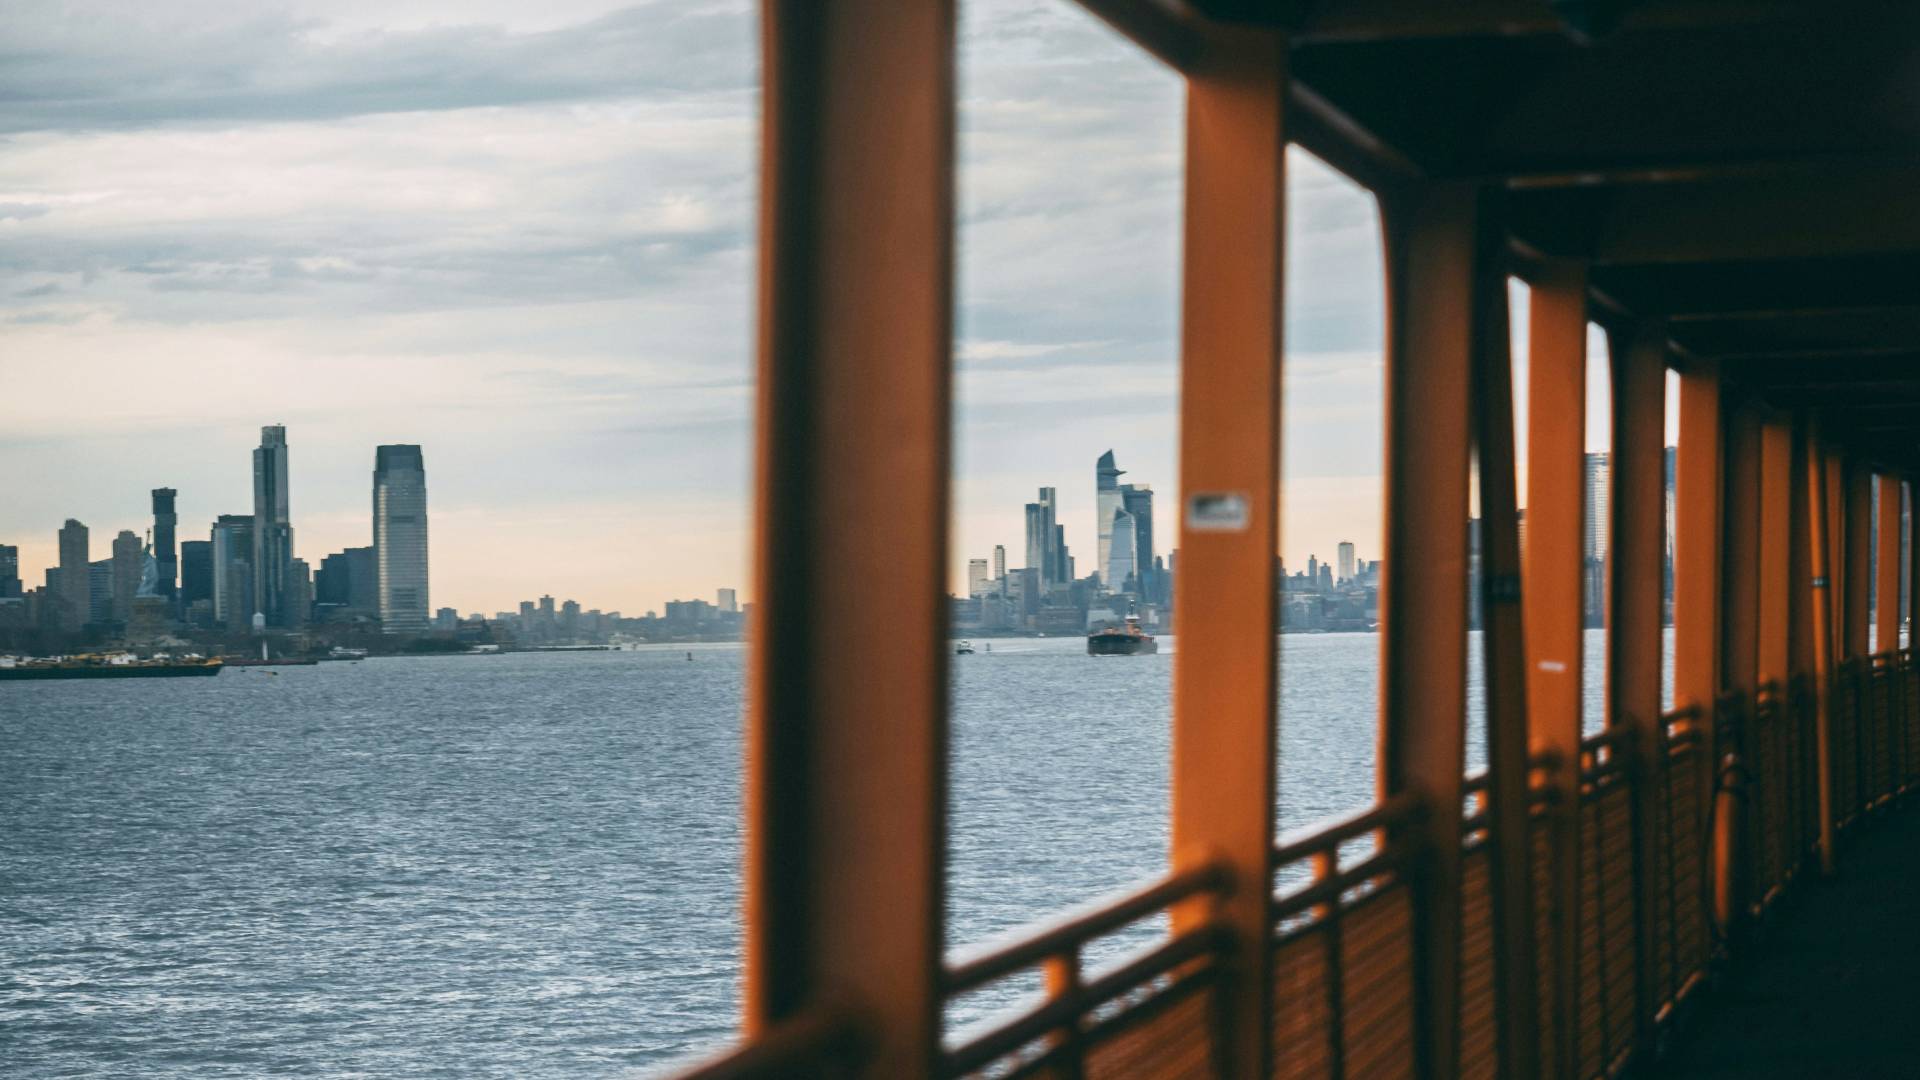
[519, 865]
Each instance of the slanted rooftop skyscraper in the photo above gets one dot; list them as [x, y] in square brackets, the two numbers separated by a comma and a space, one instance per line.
[400, 537]
[272, 527]
[1107, 502]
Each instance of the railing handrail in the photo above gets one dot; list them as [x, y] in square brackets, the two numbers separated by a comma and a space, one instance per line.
[1038, 941]
[1398, 810]
[785, 1049]
[1062, 1009]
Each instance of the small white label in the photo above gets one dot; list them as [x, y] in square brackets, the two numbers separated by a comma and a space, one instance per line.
[1217, 511]
[1553, 666]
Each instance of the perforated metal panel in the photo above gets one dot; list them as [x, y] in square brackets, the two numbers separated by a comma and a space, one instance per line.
[1175, 1042]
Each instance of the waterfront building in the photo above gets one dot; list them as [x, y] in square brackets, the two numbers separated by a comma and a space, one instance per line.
[272, 526]
[165, 521]
[976, 577]
[196, 572]
[347, 585]
[446, 619]
[100, 591]
[233, 591]
[999, 562]
[128, 554]
[1345, 555]
[729, 601]
[299, 600]
[400, 537]
[1107, 503]
[9, 572]
[72, 590]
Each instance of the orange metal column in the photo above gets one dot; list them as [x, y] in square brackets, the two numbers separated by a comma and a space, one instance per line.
[1740, 552]
[846, 746]
[1912, 609]
[1740, 622]
[1224, 669]
[1858, 496]
[1697, 520]
[1886, 566]
[1556, 444]
[1430, 235]
[1836, 504]
[1504, 654]
[1635, 552]
[1775, 660]
[1698, 486]
[1820, 603]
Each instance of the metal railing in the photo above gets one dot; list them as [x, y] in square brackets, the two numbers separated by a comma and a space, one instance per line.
[1343, 988]
[1652, 850]
[1153, 1005]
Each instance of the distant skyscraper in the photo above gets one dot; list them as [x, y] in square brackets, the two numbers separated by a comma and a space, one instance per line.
[729, 600]
[1123, 552]
[299, 593]
[1137, 501]
[1107, 503]
[1046, 545]
[74, 596]
[976, 577]
[999, 562]
[233, 570]
[196, 572]
[9, 572]
[100, 591]
[400, 537]
[164, 522]
[272, 527]
[127, 557]
[1346, 560]
[1596, 507]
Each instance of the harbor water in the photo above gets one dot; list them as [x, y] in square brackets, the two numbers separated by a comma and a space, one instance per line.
[522, 865]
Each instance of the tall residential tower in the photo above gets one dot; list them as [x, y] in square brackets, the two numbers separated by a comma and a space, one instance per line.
[400, 537]
[272, 528]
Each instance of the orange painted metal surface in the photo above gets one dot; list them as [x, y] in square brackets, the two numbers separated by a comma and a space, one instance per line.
[1822, 513]
[1431, 235]
[1635, 555]
[1224, 678]
[1886, 565]
[1514, 1003]
[846, 762]
[1857, 505]
[1556, 438]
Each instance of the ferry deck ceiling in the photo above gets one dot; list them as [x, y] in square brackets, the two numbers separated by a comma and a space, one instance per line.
[1748, 172]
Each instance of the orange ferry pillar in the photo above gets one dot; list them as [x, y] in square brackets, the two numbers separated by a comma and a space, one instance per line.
[1554, 562]
[1634, 557]
[846, 743]
[1431, 233]
[1697, 550]
[1224, 722]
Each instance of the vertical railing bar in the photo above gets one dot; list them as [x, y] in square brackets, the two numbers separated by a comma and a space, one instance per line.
[1326, 867]
[1063, 975]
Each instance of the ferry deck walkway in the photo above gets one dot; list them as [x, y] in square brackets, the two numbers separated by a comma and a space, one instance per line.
[1830, 990]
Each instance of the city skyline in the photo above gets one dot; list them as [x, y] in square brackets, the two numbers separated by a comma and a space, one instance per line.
[544, 271]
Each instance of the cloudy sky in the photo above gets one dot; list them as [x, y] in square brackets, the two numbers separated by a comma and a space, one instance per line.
[518, 234]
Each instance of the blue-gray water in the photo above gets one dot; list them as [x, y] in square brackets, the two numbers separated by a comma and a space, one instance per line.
[518, 865]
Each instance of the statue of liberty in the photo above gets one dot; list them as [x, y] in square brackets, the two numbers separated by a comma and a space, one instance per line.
[149, 571]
